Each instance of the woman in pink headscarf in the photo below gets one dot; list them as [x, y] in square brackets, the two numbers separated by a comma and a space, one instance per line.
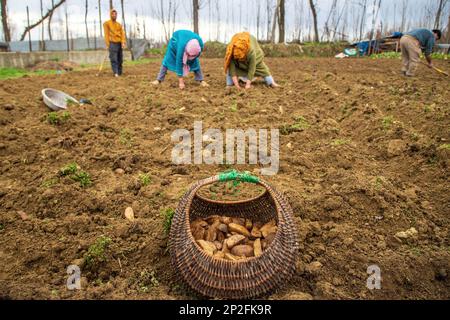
[182, 57]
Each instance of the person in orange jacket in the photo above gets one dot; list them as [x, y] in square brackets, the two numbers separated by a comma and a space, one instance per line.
[115, 42]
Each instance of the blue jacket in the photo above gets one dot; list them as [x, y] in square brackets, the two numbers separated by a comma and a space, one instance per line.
[426, 39]
[173, 60]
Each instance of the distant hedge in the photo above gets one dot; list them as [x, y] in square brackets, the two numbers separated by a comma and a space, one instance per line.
[217, 49]
[214, 49]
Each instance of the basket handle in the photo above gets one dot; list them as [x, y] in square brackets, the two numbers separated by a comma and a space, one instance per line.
[234, 175]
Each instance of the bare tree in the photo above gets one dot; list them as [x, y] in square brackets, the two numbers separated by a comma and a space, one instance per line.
[314, 14]
[86, 22]
[218, 19]
[44, 17]
[281, 21]
[50, 35]
[144, 28]
[240, 15]
[363, 19]
[29, 34]
[404, 14]
[338, 21]
[42, 43]
[269, 18]
[258, 18]
[195, 8]
[448, 31]
[274, 24]
[100, 18]
[298, 8]
[395, 15]
[160, 13]
[209, 18]
[343, 32]
[441, 6]
[5, 24]
[174, 16]
[123, 18]
[95, 34]
[167, 18]
[327, 31]
[375, 11]
[67, 30]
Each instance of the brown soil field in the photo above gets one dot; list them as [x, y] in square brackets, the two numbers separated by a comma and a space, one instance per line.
[369, 160]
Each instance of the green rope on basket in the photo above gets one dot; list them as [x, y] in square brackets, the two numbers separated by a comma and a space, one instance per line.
[234, 175]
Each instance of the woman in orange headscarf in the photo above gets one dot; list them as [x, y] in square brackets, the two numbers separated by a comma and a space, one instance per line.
[244, 61]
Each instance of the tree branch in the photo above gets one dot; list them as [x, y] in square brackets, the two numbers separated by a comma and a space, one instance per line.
[49, 12]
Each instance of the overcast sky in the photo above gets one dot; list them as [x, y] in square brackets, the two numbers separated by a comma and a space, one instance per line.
[298, 16]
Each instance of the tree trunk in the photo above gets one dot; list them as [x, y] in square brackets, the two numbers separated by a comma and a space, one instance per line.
[145, 29]
[314, 14]
[123, 19]
[86, 23]
[327, 31]
[363, 16]
[29, 34]
[338, 21]
[5, 24]
[50, 36]
[274, 24]
[404, 11]
[67, 31]
[42, 46]
[437, 21]
[196, 8]
[174, 16]
[269, 17]
[258, 19]
[448, 32]
[111, 5]
[282, 21]
[375, 11]
[218, 20]
[209, 19]
[100, 18]
[395, 16]
[95, 34]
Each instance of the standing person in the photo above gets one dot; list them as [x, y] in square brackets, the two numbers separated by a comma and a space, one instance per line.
[182, 57]
[244, 60]
[412, 43]
[115, 42]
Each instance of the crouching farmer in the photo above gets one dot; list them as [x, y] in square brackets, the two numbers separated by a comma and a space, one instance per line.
[412, 43]
[244, 60]
[183, 56]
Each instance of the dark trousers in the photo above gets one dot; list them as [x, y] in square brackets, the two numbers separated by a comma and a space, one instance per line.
[116, 57]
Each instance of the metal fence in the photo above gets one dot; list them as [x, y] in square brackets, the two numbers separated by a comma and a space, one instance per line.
[137, 46]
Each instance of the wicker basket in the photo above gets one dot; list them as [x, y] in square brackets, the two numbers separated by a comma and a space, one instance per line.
[243, 279]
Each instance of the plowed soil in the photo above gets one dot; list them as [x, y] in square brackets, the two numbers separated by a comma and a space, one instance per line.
[369, 160]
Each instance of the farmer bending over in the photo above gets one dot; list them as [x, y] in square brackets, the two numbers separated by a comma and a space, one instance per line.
[182, 57]
[115, 42]
[412, 44]
[244, 61]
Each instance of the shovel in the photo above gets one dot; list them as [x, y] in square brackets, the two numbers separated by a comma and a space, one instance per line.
[101, 66]
[437, 69]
